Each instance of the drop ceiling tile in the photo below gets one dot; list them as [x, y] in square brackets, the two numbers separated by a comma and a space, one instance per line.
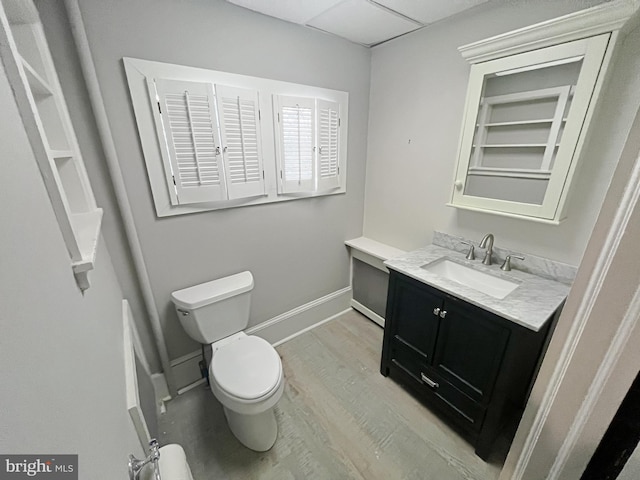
[429, 11]
[297, 11]
[362, 22]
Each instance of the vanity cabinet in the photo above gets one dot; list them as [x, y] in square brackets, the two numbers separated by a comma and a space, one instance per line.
[471, 366]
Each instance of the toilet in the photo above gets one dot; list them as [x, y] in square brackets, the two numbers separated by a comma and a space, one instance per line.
[245, 372]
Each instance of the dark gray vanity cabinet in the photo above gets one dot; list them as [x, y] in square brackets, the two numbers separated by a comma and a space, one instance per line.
[473, 367]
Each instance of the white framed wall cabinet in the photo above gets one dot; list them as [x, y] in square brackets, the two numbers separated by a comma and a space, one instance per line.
[530, 99]
[214, 140]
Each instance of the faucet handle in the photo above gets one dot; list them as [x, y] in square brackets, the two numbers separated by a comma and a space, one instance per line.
[506, 266]
[471, 255]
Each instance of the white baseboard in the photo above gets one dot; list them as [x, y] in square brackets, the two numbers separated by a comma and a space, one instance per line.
[195, 384]
[186, 370]
[161, 389]
[299, 320]
[367, 312]
[276, 331]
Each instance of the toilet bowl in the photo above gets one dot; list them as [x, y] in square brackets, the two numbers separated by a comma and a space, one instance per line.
[246, 377]
[245, 372]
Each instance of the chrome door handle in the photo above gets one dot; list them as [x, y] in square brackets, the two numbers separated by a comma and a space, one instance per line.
[443, 313]
[428, 381]
[436, 311]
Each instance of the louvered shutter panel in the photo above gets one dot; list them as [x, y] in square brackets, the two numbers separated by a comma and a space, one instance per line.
[328, 145]
[190, 142]
[296, 142]
[240, 134]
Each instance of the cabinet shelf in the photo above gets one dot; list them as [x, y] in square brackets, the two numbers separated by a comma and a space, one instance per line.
[514, 145]
[39, 86]
[516, 123]
[510, 172]
[60, 153]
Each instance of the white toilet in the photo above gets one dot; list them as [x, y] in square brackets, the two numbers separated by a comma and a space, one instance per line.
[245, 371]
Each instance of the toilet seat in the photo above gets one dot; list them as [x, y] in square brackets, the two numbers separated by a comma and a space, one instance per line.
[247, 369]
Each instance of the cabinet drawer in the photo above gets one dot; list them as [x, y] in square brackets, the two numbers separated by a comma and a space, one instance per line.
[408, 358]
[460, 406]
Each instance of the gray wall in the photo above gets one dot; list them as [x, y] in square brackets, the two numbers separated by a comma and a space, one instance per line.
[294, 249]
[418, 88]
[62, 375]
[56, 26]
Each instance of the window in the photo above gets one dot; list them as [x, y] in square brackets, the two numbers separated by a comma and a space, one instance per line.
[308, 144]
[190, 145]
[216, 140]
[213, 153]
[297, 142]
[328, 145]
[241, 149]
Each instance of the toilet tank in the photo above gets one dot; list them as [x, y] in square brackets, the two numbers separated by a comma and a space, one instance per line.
[214, 310]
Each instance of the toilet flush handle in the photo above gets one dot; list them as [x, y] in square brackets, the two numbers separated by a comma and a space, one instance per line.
[184, 313]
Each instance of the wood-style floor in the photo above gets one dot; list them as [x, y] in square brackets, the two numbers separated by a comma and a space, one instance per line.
[338, 419]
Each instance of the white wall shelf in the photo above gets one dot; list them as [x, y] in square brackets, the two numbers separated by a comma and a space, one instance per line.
[87, 228]
[31, 71]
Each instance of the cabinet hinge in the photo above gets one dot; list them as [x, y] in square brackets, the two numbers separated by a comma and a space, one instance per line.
[339, 120]
[259, 115]
[174, 180]
[159, 109]
[278, 117]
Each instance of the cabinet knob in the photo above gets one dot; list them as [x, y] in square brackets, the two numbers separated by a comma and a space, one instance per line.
[443, 313]
[436, 311]
[428, 381]
[458, 184]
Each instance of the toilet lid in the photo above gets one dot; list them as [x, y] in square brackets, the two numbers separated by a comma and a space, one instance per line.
[247, 368]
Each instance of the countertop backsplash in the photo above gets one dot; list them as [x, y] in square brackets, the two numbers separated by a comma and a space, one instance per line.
[543, 267]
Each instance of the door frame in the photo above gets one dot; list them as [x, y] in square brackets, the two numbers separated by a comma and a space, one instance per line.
[593, 356]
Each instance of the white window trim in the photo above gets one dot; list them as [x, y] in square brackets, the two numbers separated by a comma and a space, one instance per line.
[140, 71]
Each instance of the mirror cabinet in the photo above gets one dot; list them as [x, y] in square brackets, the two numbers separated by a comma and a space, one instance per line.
[530, 98]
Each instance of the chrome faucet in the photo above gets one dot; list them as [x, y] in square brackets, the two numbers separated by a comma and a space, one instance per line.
[488, 238]
[135, 465]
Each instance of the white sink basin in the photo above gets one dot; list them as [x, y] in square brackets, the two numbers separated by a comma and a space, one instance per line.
[469, 277]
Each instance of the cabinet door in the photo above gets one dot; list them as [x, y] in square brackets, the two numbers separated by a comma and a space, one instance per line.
[470, 349]
[414, 319]
[411, 327]
[525, 117]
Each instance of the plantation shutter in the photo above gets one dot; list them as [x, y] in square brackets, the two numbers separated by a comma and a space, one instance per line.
[190, 142]
[240, 133]
[296, 153]
[328, 145]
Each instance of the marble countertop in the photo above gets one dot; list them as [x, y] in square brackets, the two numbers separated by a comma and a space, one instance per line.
[530, 304]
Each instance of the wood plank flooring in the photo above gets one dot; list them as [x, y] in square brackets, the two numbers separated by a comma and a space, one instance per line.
[338, 419]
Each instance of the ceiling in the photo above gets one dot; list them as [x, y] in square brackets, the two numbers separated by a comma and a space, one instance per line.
[367, 22]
